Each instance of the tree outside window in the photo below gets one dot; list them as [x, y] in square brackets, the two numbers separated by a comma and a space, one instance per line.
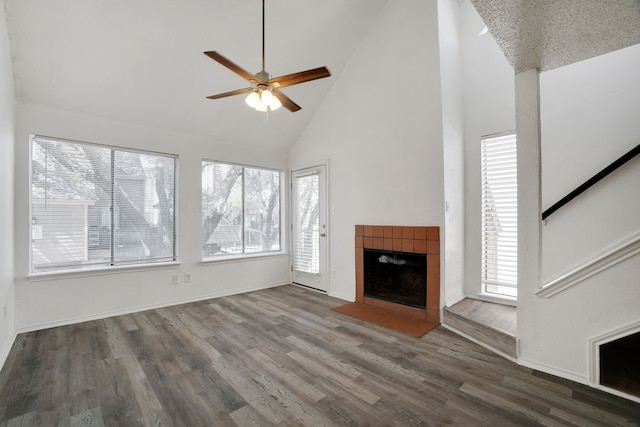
[95, 206]
[240, 209]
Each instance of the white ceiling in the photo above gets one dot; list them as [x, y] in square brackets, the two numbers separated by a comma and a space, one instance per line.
[142, 62]
[548, 34]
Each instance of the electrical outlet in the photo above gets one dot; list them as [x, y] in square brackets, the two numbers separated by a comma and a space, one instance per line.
[187, 277]
[333, 274]
[176, 279]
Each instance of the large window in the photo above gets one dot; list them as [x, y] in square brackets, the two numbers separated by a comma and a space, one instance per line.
[499, 215]
[240, 209]
[94, 206]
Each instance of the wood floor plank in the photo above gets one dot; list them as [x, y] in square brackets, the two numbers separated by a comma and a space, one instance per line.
[297, 384]
[246, 387]
[279, 357]
[88, 418]
[247, 416]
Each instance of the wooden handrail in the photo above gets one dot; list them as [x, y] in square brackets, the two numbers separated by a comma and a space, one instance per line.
[591, 181]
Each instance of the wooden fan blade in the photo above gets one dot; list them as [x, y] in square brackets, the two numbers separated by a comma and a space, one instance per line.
[233, 92]
[286, 101]
[230, 65]
[301, 77]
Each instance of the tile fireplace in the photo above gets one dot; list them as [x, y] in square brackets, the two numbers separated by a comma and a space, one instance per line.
[398, 268]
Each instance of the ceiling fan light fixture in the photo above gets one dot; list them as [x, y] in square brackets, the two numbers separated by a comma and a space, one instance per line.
[275, 104]
[253, 99]
[267, 97]
[261, 106]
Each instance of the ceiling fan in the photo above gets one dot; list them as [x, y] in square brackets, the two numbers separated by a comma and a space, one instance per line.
[264, 92]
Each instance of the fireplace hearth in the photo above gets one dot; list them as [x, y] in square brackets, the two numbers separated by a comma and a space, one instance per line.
[398, 268]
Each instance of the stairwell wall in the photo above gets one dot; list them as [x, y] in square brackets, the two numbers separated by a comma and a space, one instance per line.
[588, 120]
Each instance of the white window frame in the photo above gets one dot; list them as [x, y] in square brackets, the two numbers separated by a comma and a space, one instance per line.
[499, 215]
[215, 258]
[84, 270]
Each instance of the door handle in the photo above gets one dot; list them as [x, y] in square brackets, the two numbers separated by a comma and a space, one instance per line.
[323, 234]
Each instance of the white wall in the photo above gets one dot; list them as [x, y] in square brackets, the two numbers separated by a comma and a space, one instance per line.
[71, 298]
[588, 119]
[380, 127]
[7, 108]
[449, 28]
[489, 107]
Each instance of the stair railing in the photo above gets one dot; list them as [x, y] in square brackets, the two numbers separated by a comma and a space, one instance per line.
[591, 181]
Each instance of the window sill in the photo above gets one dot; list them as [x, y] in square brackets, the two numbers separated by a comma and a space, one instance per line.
[88, 272]
[239, 258]
[498, 299]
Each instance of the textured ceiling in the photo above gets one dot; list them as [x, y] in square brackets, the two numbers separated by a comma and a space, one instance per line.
[548, 34]
[141, 61]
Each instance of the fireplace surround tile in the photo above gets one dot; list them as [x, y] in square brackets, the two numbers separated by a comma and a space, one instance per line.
[433, 261]
[407, 233]
[420, 240]
[368, 242]
[420, 247]
[420, 233]
[407, 245]
[433, 233]
[368, 231]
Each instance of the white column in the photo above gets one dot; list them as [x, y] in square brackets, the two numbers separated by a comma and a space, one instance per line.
[527, 86]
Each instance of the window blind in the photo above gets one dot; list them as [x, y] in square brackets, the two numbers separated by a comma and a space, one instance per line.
[306, 230]
[499, 215]
[95, 206]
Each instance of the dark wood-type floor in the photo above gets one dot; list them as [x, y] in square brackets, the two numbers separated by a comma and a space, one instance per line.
[278, 357]
[494, 325]
[502, 317]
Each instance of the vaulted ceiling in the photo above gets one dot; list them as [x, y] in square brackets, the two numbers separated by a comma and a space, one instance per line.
[142, 61]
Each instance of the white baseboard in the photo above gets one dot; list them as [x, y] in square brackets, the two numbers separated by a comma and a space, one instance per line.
[129, 310]
[562, 373]
[454, 300]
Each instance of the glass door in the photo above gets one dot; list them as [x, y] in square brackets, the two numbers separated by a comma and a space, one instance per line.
[309, 228]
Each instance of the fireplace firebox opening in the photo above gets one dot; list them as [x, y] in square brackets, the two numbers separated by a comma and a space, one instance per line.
[396, 277]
